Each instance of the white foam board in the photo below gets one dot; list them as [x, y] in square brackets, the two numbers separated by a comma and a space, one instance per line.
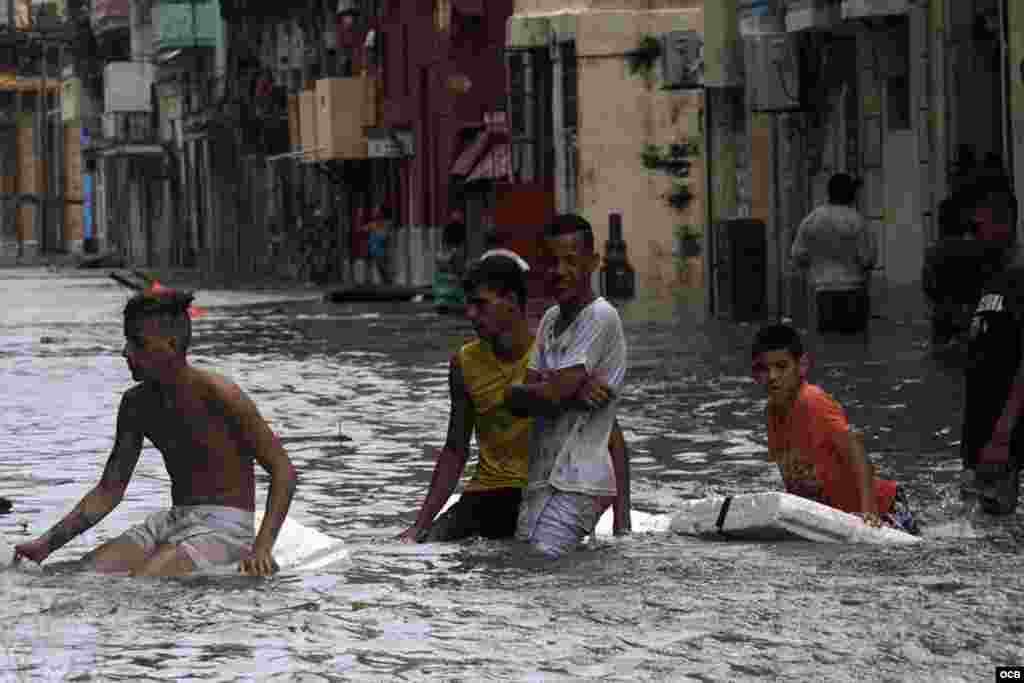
[774, 516]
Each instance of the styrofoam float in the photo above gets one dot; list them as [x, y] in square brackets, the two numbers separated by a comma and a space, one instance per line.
[299, 548]
[774, 516]
[769, 516]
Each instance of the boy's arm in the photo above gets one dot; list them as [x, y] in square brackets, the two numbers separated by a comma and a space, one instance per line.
[548, 394]
[452, 459]
[106, 495]
[573, 386]
[266, 448]
[864, 474]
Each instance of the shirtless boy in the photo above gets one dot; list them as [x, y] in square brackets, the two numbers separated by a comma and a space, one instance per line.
[479, 375]
[809, 438]
[209, 433]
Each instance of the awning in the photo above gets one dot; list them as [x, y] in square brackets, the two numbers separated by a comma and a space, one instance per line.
[855, 9]
[497, 165]
[469, 7]
[467, 160]
[802, 15]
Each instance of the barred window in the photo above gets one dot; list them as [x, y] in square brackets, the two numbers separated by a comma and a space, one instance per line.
[531, 123]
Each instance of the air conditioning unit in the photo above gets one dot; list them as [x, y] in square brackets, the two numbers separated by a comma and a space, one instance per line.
[682, 59]
[773, 81]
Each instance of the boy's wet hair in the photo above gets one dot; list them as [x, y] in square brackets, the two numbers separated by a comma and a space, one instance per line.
[499, 273]
[570, 224]
[168, 307]
[777, 337]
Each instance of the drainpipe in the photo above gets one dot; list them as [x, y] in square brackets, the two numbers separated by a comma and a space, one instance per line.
[709, 213]
[1006, 70]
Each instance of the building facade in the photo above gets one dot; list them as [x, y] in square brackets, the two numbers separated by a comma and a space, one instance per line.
[902, 94]
[621, 81]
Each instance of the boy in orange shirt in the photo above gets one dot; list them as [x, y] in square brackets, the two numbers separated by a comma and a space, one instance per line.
[810, 439]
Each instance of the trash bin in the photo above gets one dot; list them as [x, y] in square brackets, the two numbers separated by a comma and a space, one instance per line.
[740, 267]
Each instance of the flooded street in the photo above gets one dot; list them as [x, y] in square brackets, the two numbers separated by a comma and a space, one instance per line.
[358, 394]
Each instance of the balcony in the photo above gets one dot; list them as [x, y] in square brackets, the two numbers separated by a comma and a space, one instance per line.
[129, 133]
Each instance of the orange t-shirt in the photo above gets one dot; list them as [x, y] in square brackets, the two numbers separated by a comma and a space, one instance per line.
[803, 443]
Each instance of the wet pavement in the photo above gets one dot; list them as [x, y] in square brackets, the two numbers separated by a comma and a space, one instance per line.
[358, 394]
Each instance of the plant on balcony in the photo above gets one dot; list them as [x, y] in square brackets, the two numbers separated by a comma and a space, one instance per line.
[642, 58]
[688, 238]
[674, 160]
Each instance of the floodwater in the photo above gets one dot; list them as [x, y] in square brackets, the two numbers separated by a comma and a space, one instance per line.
[358, 395]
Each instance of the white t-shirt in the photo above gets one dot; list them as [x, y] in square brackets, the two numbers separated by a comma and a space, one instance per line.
[838, 245]
[570, 452]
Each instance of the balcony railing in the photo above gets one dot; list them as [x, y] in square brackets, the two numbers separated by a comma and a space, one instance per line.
[130, 128]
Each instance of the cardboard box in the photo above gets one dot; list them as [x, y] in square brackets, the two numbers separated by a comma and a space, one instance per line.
[341, 104]
[373, 108]
[308, 125]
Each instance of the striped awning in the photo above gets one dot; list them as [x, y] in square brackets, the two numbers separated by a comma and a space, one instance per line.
[496, 165]
[466, 161]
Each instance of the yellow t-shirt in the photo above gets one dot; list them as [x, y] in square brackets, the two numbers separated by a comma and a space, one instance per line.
[503, 438]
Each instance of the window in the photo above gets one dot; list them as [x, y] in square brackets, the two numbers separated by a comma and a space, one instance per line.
[531, 123]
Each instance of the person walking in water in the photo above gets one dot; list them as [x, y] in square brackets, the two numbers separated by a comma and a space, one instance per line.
[810, 440]
[992, 440]
[571, 389]
[834, 245]
[480, 374]
[209, 432]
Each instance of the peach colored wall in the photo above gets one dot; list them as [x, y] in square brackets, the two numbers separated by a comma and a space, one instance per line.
[619, 113]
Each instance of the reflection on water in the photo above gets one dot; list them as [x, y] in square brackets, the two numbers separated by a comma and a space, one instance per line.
[358, 395]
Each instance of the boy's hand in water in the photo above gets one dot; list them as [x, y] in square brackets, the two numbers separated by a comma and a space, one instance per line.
[410, 535]
[872, 519]
[36, 550]
[260, 563]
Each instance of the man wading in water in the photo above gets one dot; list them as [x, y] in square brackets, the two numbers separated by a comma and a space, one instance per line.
[573, 378]
[209, 433]
[479, 376]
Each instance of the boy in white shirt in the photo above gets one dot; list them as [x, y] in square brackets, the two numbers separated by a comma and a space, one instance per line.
[572, 383]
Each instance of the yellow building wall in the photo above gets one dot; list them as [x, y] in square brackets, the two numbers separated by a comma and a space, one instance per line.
[620, 113]
[73, 207]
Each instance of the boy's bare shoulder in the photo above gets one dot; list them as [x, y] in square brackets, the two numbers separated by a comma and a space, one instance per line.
[214, 385]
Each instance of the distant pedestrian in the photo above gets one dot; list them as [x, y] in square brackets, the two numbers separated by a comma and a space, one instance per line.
[835, 246]
[452, 258]
[955, 270]
[992, 440]
[378, 242]
[994, 209]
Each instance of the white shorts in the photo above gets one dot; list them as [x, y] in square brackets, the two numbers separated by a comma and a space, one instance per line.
[563, 520]
[210, 535]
